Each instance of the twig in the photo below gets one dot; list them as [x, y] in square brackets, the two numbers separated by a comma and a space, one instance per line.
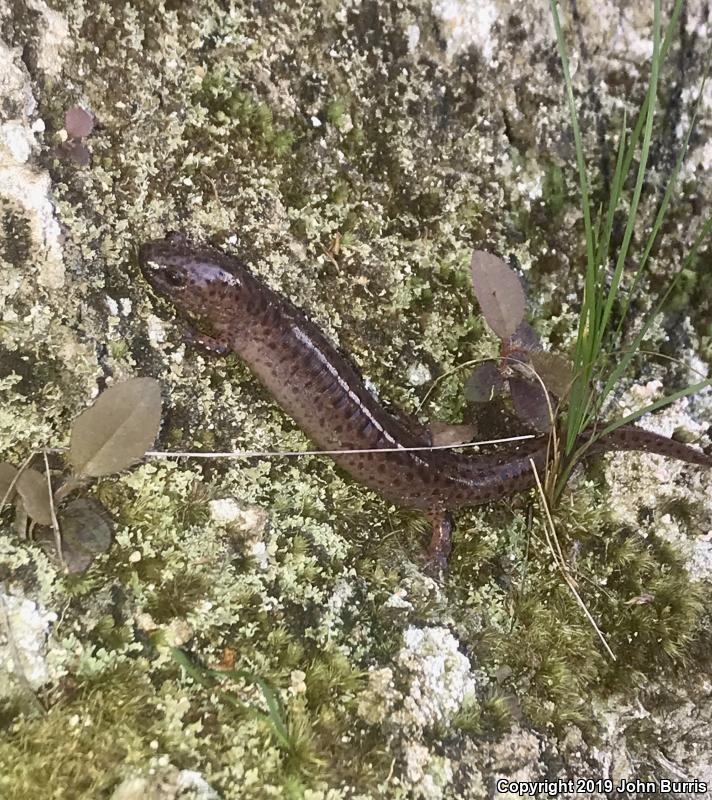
[19, 472]
[550, 533]
[55, 521]
[297, 453]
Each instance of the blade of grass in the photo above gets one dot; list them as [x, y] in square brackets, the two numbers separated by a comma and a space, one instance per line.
[613, 201]
[635, 136]
[660, 217]
[628, 354]
[601, 259]
[598, 302]
[632, 417]
[580, 160]
[661, 403]
[633, 212]
[274, 717]
[582, 355]
[271, 700]
[593, 325]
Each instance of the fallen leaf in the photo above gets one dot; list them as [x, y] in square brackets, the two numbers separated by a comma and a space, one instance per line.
[228, 660]
[484, 384]
[118, 429]
[34, 492]
[554, 370]
[499, 293]
[529, 401]
[7, 476]
[87, 531]
[78, 122]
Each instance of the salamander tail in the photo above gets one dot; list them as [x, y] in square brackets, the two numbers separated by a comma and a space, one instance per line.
[630, 437]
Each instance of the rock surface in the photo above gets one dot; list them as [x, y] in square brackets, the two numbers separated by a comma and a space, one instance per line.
[265, 628]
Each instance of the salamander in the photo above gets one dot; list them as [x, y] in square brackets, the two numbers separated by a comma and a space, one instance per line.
[229, 309]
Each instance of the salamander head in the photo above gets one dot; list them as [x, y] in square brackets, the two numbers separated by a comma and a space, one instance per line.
[202, 284]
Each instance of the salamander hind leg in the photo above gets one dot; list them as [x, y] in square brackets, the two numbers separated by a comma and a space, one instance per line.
[440, 545]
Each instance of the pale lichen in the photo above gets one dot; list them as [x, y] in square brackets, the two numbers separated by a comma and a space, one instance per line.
[24, 630]
[438, 677]
[166, 782]
[354, 155]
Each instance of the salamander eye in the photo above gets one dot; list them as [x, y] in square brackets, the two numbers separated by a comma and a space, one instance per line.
[175, 277]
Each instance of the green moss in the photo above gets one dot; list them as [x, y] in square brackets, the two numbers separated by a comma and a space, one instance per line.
[289, 650]
[83, 745]
[636, 589]
[490, 716]
[335, 111]
[553, 654]
[682, 509]
[653, 634]
[331, 676]
[113, 636]
[119, 349]
[205, 125]
[177, 596]
[554, 189]
[238, 109]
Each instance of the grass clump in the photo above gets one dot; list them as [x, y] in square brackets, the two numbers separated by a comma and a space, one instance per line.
[599, 361]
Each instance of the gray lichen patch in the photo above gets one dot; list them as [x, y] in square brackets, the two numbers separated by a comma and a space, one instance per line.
[23, 647]
[354, 155]
[165, 783]
[436, 680]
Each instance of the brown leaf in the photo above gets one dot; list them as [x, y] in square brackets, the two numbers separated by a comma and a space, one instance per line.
[499, 293]
[7, 476]
[229, 657]
[87, 530]
[530, 403]
[484, 384]
[554, 370]
[118, 429]
[449, 433]
[34, 492]
[524, 338]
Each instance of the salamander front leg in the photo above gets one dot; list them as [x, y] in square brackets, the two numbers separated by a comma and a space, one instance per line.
[210, 346]
[440, 545]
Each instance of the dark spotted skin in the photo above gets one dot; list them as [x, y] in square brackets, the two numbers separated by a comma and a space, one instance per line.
[229, 309]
